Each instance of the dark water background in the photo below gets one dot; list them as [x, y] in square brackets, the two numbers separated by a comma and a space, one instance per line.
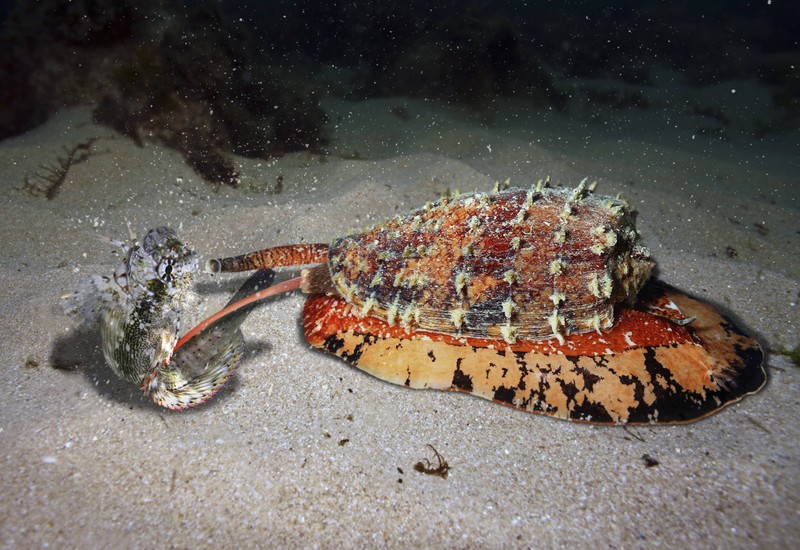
[253, 77]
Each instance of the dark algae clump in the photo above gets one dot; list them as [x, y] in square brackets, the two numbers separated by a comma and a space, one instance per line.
[199, 92]
[187, 79]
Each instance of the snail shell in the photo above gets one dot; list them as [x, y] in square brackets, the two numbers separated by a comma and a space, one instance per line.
[674, 359]
[517, 264]
[511, 297]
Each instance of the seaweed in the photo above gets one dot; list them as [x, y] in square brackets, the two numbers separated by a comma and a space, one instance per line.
[188, 79]
[50, 183]
[200, 91]
[425, 466]
[793, 355]
[212, 166]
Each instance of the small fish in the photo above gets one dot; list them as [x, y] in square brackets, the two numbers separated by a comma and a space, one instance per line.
[147, 299]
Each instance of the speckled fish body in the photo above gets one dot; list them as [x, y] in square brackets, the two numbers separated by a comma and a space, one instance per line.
[149, 297]
[203, 365]
[142, 317]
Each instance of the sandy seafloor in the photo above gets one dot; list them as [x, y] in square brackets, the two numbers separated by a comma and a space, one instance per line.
[301, 448]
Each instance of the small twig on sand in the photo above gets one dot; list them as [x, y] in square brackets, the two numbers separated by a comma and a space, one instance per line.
[425, 466]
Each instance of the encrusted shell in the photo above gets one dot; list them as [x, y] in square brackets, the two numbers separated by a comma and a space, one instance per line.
[426, 301]
[517, 264]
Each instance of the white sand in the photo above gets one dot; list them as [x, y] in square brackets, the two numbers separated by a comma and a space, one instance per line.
[303, 449]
